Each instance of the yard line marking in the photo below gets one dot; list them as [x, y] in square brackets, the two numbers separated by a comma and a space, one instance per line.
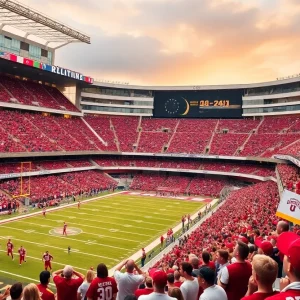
[123, 219]
[52, 262]
[130, 210]
[27, 278]
[67, 238]
[54, 247]
[111, 237]
[57, 208]
[152, 201]
[127, 232]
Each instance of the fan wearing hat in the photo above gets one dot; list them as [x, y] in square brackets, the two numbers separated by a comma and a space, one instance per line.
[264, 247]
[159, 284]
[288, 244]
[211, 291]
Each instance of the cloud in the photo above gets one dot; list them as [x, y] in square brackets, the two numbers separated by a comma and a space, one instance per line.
[180, 41]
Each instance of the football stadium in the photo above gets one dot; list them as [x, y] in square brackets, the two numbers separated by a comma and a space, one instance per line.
[193, 190]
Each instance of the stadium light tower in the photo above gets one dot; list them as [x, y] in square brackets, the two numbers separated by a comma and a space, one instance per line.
[34, 24]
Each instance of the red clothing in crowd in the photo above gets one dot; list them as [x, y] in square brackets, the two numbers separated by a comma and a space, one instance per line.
[141, 292]
[259, 296]
[46, 294]
[102, 288]
[67, 288]
[239, 274]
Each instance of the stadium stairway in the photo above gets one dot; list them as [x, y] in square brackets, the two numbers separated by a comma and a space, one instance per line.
[211, 139]
[115, 134]
[241, 148]
[94, 132]
[165, 148]
[136, 145]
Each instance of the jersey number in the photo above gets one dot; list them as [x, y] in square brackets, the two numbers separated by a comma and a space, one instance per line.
[105, 293]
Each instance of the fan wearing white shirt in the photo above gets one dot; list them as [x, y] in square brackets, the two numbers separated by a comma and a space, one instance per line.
[190, 286]
[211, 291]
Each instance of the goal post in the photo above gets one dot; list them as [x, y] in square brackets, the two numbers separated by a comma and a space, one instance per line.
[24, 188]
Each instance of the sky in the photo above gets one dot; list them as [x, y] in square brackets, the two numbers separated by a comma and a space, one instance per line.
[180, 42]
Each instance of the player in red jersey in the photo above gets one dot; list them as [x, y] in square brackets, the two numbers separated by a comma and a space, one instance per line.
[78, 205]
[22, 254]
[10, 248]
[44, 212]
[47, 258]
[65, 229]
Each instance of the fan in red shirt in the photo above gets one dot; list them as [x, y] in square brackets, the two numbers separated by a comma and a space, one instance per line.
[65, 229]
[22, 254]
[102, 287]
[47, 258]
[10, 248]
[264, 273]
[46, 294]
[235, 277]
[67, 286]
[288, 243]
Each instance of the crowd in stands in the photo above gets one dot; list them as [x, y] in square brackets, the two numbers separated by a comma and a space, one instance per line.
[8, 168]
[206, 186]
[32, 132]
[290, 177]
[17, 91]
[58, 187]
[102, 126]
[7, 204]
[238, 126]
[163, 163]
[186, 185]
[126, 131]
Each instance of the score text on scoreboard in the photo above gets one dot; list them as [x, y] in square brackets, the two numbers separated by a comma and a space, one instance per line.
[206, 103]
[198, 104]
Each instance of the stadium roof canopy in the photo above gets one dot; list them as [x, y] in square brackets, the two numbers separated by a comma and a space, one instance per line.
[29, 24]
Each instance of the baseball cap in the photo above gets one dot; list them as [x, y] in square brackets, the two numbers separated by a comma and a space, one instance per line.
[160, 277]
[229, 245]
[243, 239]
[265, 246]
[207, 274]
[288, 243]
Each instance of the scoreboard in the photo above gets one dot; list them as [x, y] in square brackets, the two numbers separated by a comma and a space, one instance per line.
[198, 104]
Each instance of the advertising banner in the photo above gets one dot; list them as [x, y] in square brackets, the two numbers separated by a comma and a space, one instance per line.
[45, 67]
[289, 207]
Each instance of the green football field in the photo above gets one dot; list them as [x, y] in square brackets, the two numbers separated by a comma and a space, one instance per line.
[106, 230]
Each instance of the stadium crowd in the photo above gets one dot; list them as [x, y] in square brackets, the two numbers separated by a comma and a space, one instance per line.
[45, 189]
[237, 253]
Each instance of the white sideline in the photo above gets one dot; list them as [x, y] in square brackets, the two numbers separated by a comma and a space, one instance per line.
[27, 278]
[156, 242]
[55, 208]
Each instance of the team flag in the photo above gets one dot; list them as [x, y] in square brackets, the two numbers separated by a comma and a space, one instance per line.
[289, 207]
[37, 64]
[28, 62]
[13, 57]
[5, 55]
